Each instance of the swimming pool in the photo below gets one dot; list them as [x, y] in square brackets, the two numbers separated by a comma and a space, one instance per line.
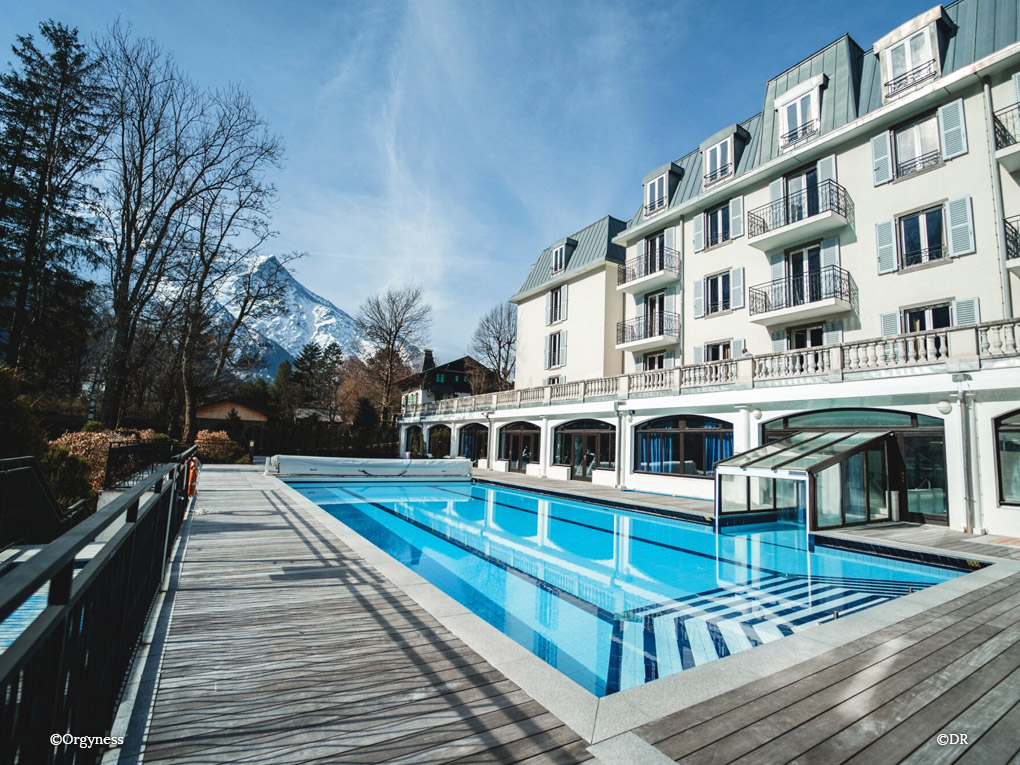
[614, 598]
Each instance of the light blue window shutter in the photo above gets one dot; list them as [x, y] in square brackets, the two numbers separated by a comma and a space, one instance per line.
[830, 251]
[777, 263]
[1016, 88]
[960, 223]
[736, 348]
[832, 332]
[965, 312]
[778, 341]
[890, 323]
[699, 232]
[699, 354]
[548, 308]
[669, 300]
[736, 217]
[563, 302]
[670, 239]
[699, 299]
[668, 360]
[737, 288]
[827, 168]
[776, 190]
[563, 347]
[639, 363]
[953, 129]
[885, 246]
[881, 158]
[548, 340]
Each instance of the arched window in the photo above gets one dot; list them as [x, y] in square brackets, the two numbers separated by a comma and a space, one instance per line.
[683, 444]
[1007, 436]
[473, 441]
[585, 445]
[519, 444]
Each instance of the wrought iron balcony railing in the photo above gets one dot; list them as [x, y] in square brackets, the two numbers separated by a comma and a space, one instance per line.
[919, 257]
[827, 196]
[712, 238]
[1012, 237]
[662, 259]
[653, 207]
[717, 175]
[1007, 126]
[925, 71]
[659, 324]
[799, 134]
[828, 282]
[916, 164]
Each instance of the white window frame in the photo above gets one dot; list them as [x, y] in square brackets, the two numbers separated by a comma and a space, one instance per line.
[656, 192]
[556, 305]
[555, 349]
[908, 55]
[724, 300]
[654, 360]
[555, 380]
[559, 259]
[724, 348]
[707, 159]
[915, 125]
[811, 89]
[723, 208]
[948, 305]
[901, 249]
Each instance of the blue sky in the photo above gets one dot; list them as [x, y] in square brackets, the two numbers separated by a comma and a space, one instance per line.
[451, 142]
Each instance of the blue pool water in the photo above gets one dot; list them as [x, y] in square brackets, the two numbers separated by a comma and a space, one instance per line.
[609, 597]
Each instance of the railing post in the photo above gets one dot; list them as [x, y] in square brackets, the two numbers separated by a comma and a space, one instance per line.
[963, 344]
[546, 394]
[623, 389]
[745, 371]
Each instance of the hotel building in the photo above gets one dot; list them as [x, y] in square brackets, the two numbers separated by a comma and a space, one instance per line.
[836, 273]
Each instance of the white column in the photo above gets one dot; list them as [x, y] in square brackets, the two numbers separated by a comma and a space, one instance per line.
[425, 438]
[402, 441]
[454, 439]
[545, 459]
[742, 430]
[491, 439]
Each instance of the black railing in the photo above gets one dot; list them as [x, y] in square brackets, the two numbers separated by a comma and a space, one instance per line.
[65, 672]
[712, 238]
[29, 513]
[906, 80]
[659, 324]
[1007, 126]
[655, 206]
[919, 257]
[717, 175]
[828, 282]
[129, 461]
[663, 259]
[1012, 237]
[908, 166]
[799, 134]
[827, 196]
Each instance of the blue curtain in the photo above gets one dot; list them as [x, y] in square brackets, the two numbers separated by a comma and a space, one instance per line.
[467, 442]
[717, 448]
[657, 452]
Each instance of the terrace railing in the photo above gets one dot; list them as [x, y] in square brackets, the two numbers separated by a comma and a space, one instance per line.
[660, 324]
[1007, 126]
[664, 259]
[719, 174]
[130, 460]
[828, 282]
[918, 74]
[918, 163]
[827, 196]
[65, 672]
[29, 513]
[1012, 237]
[799, 134]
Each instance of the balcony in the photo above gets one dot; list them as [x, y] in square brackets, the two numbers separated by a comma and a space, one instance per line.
[808, 214]
[655, 207]
[1007, 137]
[907, 80]
[799, 135]
[648, 271]
[646, 332]
[824, 294]
[1013, 243]
[919, 163]
[716, 176]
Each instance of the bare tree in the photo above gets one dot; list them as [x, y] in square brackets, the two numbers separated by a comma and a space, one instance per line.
[494, 342]
[393, 323]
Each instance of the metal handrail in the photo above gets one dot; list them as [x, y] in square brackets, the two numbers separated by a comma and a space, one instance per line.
[659, 259]
[918, 163]
[655, 205]
[131, 458]
[29, 511]
[918, 74]
[658, 324]
[827, 196]
[717, 175]
[828, 282]
[799, 134]
[1007, 126]
[918, 257]
[1012, 237]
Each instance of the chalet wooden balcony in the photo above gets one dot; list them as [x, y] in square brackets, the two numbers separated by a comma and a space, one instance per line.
[809, 214]
[649, 271]
[656, 330]
[829, 292]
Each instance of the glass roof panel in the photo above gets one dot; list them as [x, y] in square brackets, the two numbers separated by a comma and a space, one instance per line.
[740, 460]
[834, 450]
[802, 449]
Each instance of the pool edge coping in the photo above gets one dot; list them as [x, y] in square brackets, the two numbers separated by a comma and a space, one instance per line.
[597, 720]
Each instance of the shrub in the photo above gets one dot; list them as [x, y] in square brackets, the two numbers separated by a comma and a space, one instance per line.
[216, 447]
[92, 426]
[69, 476]
[92, 448]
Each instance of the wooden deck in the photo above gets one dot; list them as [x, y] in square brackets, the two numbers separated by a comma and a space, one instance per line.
[285, 647]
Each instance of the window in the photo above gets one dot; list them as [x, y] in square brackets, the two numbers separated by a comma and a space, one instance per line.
[682, 445]
[798, 121]
[559, 259]
[803, 278]
[917, 146]
[655, 313]
[717, 226]
[1007, 436]
[556, 305]
[718, 351]
[585, 445]
[655, 248]
[519, 445]
[805, 337]
[556, 355]
[926, 318]
[655, 195]
[718, 163]
[909, 62]
[921, 237]
[654, 361]
[554, 380]
[802, 198]
[717, 293]
[440, 378]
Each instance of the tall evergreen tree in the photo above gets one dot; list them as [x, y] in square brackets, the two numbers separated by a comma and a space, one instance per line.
[53, 120]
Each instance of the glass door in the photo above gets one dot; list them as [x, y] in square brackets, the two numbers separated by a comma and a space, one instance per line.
[655, 306]
[805, 275]
[802, 195]
[654, 248]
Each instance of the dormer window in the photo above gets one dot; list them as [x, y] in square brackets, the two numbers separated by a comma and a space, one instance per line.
[655, 195]
[909, 62]
[559, 259]
[797, 111]
[718, 162]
